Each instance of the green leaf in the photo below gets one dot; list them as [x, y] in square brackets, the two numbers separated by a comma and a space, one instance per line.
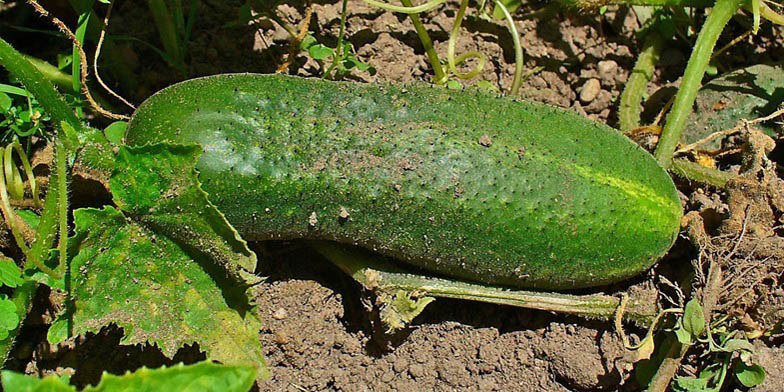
[691, 384]
[203, 376]
[8, 317]
[320, 52]
[158, 186]
[155, 290]
[755, 11]
[38, 85]
[115, 132]
[684, 336]
[58, 332]
[454, 85]
[511, 6]
[486, 86]
[694, 318]
[16, 382]
[400, 310]
[307, 42]
[10, 274]
[30, 217]
[5, 102]
[738, 345]
[171, 270]
[749, 376]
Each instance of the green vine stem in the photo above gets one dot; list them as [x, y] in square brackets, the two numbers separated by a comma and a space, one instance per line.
[518, 75]
[406, 9]
[631, 98]
[595, 4]
[11, 219]
[62, 197]
[692, 79]
[440, 76]
[697, 172]
[373, 272]
[450, 56]
[28, 171]
[338, 56]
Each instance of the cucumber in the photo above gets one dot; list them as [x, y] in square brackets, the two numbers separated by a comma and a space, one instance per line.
[462, 184]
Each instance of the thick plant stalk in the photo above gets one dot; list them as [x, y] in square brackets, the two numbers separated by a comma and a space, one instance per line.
[631, 98]
[692, 79]
[697, 172]
[376, 274]
[440, 76]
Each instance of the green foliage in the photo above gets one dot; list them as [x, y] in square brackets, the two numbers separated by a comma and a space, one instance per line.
[200, 377]
[115, 131]
[21, 114]
[732, 347]
[343, 60]
[9, 319]
[155, 268]
[749, 375]
[10, 274]
[39, 86]
[174, 26]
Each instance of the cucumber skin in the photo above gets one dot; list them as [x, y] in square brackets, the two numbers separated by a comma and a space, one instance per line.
[554, 202]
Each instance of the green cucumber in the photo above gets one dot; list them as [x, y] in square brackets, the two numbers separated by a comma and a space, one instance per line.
[462, 184]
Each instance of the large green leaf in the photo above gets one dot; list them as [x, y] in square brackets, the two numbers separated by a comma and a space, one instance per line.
[201, 377]
[158, 268]
[15, 382]
[157, 186]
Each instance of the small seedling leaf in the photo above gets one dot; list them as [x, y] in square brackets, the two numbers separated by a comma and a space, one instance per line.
[58, 332]
[320, 52]
[454, 85]
[684, 336]
[5, 102]
[645, 349]
[694, 318]
[10, 274]
[115, 132]
[738, 345]
[400, 310]
[749, 376]
[9, 320]
[307, 42]
[691, 384]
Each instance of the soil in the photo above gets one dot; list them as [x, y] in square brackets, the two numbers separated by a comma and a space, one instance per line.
[322, 330]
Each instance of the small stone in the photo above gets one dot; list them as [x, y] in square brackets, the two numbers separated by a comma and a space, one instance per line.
[280, 314]
[607, 69]
[485, 140]
[281, 338]
[590, 90]
[313, 220]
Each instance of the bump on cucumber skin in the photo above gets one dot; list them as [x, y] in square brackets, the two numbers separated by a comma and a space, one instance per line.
[555, 201]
